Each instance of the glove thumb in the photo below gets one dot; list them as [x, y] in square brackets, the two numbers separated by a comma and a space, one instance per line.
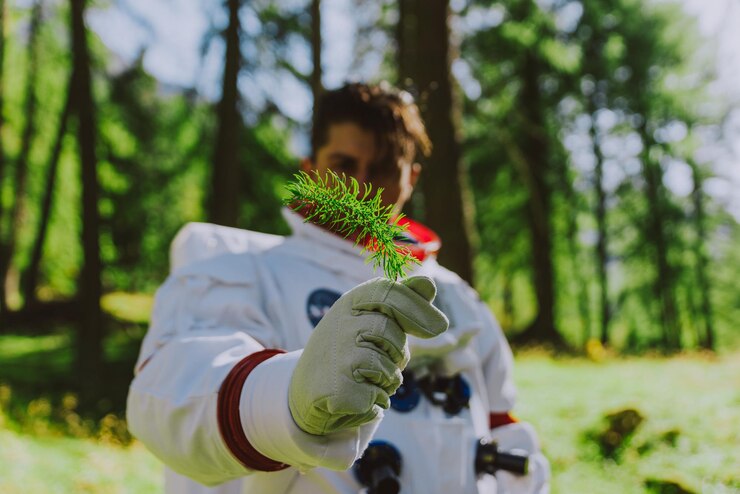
[423, 286]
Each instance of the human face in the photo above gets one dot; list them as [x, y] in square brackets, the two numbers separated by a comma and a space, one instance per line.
[352, 150]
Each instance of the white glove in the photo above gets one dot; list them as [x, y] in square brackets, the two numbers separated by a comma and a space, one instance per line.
[353, 361]
[452, 352]
[522, 436]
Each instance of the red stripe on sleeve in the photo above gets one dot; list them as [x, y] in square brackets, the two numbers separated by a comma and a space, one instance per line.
[229, 420]
[499, 419]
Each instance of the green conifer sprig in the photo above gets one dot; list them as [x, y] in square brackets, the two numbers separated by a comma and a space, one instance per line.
[336, 203]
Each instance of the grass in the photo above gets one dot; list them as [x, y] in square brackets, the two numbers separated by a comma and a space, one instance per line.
[690, 433]
[53, 465]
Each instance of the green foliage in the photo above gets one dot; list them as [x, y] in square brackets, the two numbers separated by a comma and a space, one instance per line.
[152, 155]
[629, 62]
[154, 152]
[44, 417]
[266, 166]
[332, 202]
[75, 465]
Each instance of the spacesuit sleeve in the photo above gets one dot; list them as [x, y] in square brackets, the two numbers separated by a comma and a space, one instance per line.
[498, 363]
[209, 396]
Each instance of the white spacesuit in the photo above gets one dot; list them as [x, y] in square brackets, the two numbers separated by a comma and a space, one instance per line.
[211, 402]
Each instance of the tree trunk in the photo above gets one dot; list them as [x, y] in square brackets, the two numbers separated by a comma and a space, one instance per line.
[656, 236]
[596, 67]
[507, 298]
[20, 179]
[702, 261]
[405, 35]
[225, 181]
[582, 297]
[535, 148]
[317, 86]
[3, 16]
[89, 344]
[601, 239]
[537, 331]
[29, 280]
[425, 58]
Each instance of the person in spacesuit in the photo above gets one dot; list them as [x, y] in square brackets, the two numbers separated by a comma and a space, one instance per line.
[271, 363]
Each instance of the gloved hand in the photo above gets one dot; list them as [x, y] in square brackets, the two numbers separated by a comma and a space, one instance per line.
[522, 436]
[451, 353]
[353, 361]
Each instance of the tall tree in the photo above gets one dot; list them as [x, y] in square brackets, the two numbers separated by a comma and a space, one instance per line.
[525, 69]
[225, 181]
[20, 175]
[600, 213]
[535, 168]
[597, 72]
[29, 280]
[707, 340]
[648, 49]
[656, 233]
[89, 347]
[317, 86]
[580, 274]
[425, 57]
[3, 160]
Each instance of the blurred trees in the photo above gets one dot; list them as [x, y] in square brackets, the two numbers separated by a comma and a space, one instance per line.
[10, 229]
[89, 341]
[317, 85]
[30, 278]
[569, 120]
[703, 290]
[576, 125]
[515, 126]
[3, 158]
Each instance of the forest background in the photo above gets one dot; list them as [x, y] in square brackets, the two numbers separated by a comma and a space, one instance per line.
[585, 176]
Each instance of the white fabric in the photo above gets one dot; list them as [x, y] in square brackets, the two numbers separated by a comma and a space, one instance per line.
[264, 402]
[172, 403]
[521, 436]
[214, 311]
[198, 241]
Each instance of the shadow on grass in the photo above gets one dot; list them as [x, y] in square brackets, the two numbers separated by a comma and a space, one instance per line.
[39, 386]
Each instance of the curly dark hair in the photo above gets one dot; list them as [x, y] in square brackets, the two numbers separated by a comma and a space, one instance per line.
[389, 113]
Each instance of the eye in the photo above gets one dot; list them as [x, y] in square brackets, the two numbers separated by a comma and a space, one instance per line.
[384, 174]
[346, 166]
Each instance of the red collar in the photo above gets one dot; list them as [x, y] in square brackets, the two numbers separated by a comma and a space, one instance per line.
[419, 239]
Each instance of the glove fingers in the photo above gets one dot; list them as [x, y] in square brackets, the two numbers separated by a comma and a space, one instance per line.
[340, 422]
[360, 402]
[376, 368]
[412, 311]
[423, 286]
[383, 334]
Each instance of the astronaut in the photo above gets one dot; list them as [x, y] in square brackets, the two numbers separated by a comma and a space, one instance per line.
[272, 362]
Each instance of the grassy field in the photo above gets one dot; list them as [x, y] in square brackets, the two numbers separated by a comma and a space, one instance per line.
[691, 429]
[690, 434]
[60, 465]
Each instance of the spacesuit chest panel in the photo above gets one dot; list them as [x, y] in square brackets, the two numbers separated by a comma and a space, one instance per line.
[305, 292]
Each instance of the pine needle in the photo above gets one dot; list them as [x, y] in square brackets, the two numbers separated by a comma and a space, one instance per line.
[339, 206]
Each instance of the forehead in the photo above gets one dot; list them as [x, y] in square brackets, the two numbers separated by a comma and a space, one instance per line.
[350, 139]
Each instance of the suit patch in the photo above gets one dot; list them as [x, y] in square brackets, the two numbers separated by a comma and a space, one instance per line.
[319, 303]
